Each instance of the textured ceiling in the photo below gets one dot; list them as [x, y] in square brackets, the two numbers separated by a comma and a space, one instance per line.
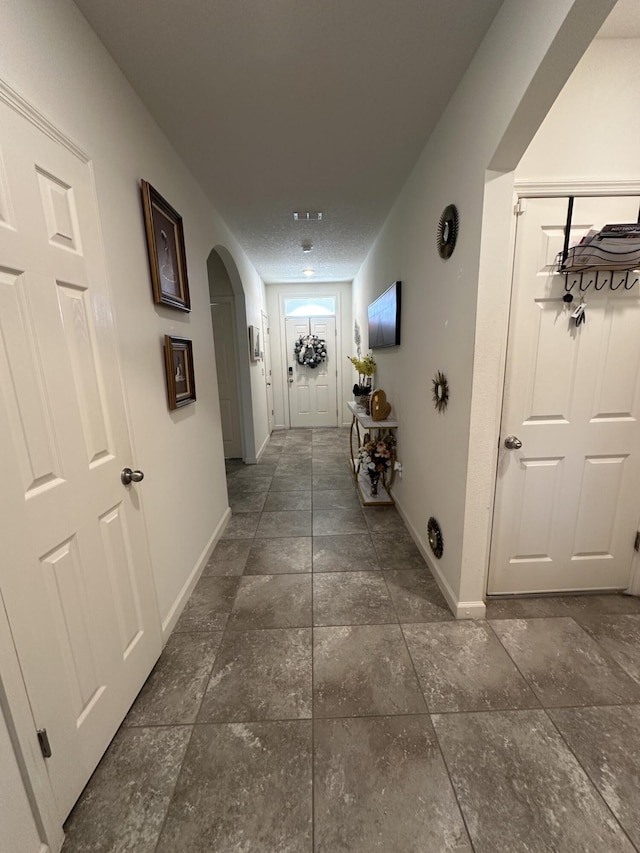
[283, 105]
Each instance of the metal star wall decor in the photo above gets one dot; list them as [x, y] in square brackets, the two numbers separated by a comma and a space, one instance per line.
[440, 391]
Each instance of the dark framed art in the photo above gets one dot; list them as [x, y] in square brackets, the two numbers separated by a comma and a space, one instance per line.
[165, 244]
[178, 362]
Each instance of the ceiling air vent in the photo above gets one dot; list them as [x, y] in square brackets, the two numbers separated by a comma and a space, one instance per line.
[307, 216]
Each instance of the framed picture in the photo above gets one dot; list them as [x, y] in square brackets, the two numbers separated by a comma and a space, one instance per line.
[254, 343]
[178, 362]
[165, 243]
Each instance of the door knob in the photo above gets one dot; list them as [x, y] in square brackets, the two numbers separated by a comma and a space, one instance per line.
[128, 476]
[512, 442]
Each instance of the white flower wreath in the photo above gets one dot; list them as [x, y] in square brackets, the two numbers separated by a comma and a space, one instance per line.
[310, 350]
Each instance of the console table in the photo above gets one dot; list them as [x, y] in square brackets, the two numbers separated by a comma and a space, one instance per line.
[363, 483]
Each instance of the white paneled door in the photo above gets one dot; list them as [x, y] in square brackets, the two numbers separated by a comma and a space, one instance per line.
[75, 577]
[312, 391]
[568, 500]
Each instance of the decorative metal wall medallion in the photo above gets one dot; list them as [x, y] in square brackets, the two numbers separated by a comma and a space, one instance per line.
[435, 537]
[448, 231]
[440, 391]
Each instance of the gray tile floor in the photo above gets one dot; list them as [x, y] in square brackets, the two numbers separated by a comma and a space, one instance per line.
[316, 696]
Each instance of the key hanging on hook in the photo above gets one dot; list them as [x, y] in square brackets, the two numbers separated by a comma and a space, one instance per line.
[579, 315]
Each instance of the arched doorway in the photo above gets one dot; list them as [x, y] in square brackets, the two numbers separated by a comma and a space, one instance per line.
[229, 321]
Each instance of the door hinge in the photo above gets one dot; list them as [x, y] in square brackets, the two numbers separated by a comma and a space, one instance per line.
[519, 207]
[43, 740]
[636, 544]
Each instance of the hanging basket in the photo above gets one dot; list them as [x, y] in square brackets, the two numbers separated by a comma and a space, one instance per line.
[310, 350]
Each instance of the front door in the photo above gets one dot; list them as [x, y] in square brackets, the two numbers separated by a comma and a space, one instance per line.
[568, 500]
[75, 578]
[312, 391]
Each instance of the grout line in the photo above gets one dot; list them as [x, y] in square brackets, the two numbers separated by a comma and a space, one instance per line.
[451, 782]
[587, 774]
[171, 796]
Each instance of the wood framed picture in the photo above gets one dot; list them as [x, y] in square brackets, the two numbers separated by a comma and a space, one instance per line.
[165, 244]
[254, 343]
[178, 362]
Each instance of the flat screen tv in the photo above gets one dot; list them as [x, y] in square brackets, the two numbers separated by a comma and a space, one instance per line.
[384, 318]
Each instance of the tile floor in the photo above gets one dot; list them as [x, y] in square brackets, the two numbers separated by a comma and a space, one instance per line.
[316, 696]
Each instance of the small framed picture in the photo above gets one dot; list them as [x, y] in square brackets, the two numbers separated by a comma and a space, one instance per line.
[254, 343]
[165, 244]
[178, 361]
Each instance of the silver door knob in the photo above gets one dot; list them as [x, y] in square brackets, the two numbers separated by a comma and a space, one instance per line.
[512, 442]
[128, 476]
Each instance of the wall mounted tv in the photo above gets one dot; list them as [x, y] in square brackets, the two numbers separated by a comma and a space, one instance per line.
[384, 318]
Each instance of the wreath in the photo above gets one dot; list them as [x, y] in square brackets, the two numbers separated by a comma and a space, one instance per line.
[310, 350]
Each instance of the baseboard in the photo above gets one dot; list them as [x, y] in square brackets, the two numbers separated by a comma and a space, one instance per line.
[172, 617]
[460, 609]
[262, 448]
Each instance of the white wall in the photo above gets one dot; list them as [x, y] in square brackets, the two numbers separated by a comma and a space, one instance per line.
[346, 347]
[51, 57]
[592, 131]
[525, 58]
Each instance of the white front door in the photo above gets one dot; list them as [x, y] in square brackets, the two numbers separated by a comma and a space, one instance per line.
[223, 320]
[568, 501]
[76, 578]
[312, 391]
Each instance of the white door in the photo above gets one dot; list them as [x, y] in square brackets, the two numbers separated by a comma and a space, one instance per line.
[76, 579]
[312, 391]
[266, 340]
[224, 338]
[568, 501]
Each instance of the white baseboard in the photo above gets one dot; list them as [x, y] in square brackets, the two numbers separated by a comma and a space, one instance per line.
[262, 448]
[172, 617]
[460, 609]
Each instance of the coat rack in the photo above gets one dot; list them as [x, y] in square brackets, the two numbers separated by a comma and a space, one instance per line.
[601, 266]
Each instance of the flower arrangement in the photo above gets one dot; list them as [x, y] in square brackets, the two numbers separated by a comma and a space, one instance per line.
[310, 350]
[375, 456]
[366, 367]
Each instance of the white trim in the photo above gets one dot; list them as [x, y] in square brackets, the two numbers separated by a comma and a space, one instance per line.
[263, 447]
[634, 576]
[14, 100]
[16, 710]
[460, 609]
[577, 187]
[183, 596]
[282, 322]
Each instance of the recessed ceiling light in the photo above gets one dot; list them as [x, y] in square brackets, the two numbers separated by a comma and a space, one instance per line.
[308, 272]
[307, 247]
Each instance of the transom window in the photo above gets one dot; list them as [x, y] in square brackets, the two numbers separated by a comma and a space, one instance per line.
[310, 306]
